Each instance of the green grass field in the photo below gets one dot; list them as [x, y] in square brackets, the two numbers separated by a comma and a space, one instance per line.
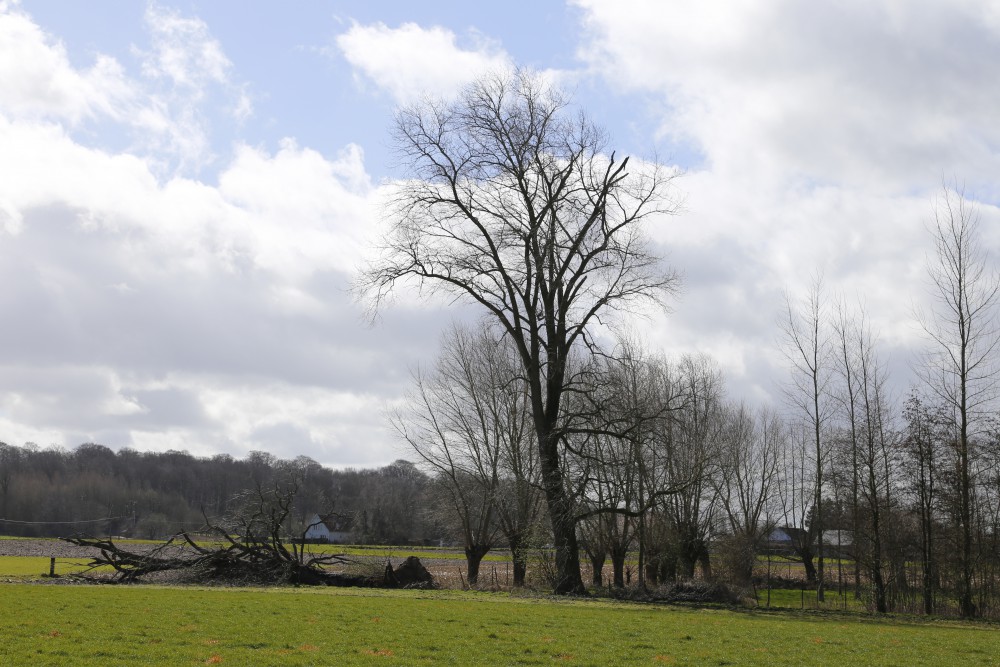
[799, 599]
[36, 566]
[118, 625]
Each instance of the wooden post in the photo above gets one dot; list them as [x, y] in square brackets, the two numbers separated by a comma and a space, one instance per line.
[769, 574]
[52, 566]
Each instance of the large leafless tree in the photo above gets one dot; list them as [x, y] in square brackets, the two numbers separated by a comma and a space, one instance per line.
[807, 347]
[961, 367]
[515, 203]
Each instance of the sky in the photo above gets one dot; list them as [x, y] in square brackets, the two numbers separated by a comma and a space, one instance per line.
[187, 190]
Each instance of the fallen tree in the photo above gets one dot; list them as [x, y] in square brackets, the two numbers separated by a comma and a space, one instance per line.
[253, 545]
[236, 562]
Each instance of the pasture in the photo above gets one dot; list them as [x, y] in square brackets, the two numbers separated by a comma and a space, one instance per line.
[149, 625]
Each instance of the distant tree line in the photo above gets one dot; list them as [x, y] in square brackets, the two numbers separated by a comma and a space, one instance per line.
[51, 492]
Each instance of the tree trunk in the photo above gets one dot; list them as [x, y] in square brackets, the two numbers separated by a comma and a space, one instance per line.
[820, 576]
[667, 568]
[690, 550]
[519, 563]
[807, 562]
[929, 573]
[568, 580]
[705, 562]
[878, 581]
[745, 557]
[653, 570]
[968, 607]
[597, 569]
[618, 566]
[520, 570]
[597, 553]
[473, 558]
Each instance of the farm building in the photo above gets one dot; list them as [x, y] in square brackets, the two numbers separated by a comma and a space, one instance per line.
[334, 530]
[784, 539]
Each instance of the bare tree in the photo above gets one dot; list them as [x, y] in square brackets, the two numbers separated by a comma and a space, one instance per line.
[872, 448]
[848, 397]
[688, 461]
[925, 439]
[753, 445]
[630, 449]
[518, 501]
[466, 419]
[628, 407]
[515, 204]
[807, 347]
[961, 366]
[797, 497]
[611, 503]
[593, 540]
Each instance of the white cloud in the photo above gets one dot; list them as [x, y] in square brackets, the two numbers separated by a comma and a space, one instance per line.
[303, 211]
[333, 424]
[292, 213]
[164, 109]
[861, 93]
[825, 132]
[184, 65]
[410, 62]
[183, 51]
[10, 218]
[199, 412]
[39, 82]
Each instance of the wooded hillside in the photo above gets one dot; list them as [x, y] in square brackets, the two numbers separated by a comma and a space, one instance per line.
[53, 492]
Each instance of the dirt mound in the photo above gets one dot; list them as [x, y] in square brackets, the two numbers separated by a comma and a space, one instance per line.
[411, 573]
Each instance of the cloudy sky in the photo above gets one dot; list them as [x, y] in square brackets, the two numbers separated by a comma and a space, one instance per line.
[186, 189]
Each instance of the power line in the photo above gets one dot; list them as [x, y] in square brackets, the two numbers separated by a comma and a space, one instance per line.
[62, 523]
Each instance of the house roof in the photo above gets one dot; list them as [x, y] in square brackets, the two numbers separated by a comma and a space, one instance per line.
[786, 534]
[334, 523]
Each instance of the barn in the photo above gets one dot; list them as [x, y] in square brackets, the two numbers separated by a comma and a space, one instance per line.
[333, 530]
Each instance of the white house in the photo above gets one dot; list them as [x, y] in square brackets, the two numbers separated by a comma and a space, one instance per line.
[335, 530]
[779, 536]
